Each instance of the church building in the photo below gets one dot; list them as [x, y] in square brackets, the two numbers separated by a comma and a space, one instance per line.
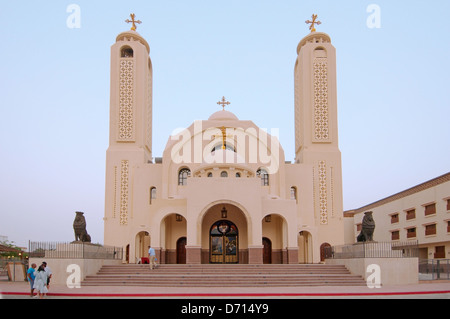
[222, 191]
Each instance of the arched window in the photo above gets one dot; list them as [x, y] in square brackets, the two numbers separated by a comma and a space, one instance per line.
[152, 194]
[294, 192]
[219, 147]
[262, 173]
[209, 174]
[126, 52]
[224, 174]
[238, 175]
[183, 175]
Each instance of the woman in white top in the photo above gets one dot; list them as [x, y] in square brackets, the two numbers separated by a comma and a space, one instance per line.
[40, 282]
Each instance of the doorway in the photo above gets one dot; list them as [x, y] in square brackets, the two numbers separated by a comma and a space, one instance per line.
[224, 243]
[181, 250]
[267, 250]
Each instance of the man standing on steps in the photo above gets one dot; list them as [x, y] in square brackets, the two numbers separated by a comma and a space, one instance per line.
[151, 257]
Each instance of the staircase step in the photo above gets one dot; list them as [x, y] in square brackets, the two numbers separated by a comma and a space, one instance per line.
[234, 275]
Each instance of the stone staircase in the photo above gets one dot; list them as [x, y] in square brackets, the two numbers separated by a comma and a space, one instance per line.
[231, 275]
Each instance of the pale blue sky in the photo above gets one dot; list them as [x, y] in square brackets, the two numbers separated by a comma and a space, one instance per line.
[393, 93]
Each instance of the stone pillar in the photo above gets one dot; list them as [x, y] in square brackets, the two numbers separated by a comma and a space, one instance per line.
[193, 255]
[255, 254]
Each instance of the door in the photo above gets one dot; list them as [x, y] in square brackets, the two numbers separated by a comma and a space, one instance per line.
[325, 251]
[181, 250]
[224, 243]
[267, 251]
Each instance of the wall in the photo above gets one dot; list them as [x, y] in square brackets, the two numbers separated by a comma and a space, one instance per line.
[88, 267]
[394, 271]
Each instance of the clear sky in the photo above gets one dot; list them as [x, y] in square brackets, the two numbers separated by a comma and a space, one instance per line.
[393, 92]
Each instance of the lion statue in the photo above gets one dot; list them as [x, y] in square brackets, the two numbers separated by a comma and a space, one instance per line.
[79, 226]
[368, 228]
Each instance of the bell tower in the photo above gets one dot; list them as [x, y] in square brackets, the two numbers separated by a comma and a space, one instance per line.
[130, 133]
[131, 92]
[316, 127]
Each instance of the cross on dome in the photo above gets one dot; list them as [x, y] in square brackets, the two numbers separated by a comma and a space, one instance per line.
[223, 102]
[313, 22]
[133, 16]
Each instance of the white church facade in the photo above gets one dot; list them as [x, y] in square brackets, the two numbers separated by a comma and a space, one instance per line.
[222, 191]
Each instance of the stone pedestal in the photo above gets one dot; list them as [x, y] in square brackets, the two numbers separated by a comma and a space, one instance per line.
[255, 254]
[193, 255]
[292, 255]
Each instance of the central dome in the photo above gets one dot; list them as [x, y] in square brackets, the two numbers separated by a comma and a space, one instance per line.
[223, 116]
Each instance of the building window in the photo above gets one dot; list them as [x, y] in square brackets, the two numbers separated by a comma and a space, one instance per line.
[262, 173]
[294, 193]
[410, 214]
[238, 175]
[224, 174]
[411, 232]
[395, 235]
[209, 174]
[152, 194]
[430, 209]
[448, 204]
[439, 252]
[394, 218]
[183, 175]
[448, 227]
[430, 229]
[126, 52]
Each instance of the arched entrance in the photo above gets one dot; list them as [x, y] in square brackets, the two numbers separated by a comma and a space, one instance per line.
[141, 244]
[274, 231]
[324, 251]
[224, 235]
[224, 243]
[173, 247]
[305, 251]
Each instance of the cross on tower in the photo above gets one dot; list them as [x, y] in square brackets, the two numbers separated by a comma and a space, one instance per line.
[223, 102]
[313, 22]
[133, 21]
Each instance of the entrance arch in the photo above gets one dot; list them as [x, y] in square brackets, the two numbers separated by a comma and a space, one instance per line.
[142, 242]
[324, 249]
[224, 243]
[173, 228]
[224, 235]
[305, 248]
[274, 229]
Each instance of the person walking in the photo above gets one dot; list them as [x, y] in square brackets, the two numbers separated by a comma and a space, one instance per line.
[151, 257]
[40, 282]
[49, 273]
[31, 276]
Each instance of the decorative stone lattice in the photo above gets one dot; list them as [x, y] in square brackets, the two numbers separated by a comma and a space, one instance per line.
[323, 193]
[126, 101]
[149, 109]
[321, 128]
[124, 192]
